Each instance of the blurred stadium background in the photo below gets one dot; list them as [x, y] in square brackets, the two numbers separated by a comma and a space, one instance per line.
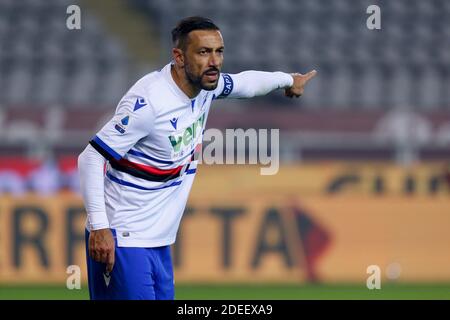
[364, 177]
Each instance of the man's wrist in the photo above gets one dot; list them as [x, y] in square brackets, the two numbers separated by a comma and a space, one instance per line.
[286, 79]
[98, 225]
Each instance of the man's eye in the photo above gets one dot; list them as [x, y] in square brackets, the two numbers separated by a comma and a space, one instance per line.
[203, 52]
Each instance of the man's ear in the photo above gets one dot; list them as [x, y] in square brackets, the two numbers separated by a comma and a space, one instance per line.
[178, 57]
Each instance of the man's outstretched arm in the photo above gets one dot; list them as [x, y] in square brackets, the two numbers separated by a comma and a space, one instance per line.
[248, 84]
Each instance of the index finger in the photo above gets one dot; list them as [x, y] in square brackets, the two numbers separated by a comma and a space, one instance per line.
[310, 75]
[110, 261]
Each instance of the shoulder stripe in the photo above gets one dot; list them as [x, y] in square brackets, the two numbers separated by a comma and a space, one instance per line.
[104, 149]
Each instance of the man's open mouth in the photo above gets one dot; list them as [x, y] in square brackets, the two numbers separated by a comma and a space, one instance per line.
[212, 75]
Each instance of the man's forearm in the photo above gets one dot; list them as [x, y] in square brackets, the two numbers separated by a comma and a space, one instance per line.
[248, 84]
[90, 167]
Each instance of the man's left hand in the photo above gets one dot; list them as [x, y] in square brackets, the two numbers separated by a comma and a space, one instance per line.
[300, 81]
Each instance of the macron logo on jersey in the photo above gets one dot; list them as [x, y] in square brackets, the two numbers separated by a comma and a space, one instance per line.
[107, 278]
[174, 123]
[140, 102]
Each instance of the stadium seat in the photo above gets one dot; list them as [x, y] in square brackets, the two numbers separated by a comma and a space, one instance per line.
[290, 35]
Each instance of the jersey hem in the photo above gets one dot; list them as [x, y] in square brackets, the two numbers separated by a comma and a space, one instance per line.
[122, 242]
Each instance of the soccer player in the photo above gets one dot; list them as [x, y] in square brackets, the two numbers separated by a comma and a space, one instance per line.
[134, 205]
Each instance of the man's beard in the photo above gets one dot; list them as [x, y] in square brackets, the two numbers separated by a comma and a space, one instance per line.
[197, 80]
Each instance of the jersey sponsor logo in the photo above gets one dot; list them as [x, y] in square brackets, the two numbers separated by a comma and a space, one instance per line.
[182, 141]
[140, 102]
[174, 123]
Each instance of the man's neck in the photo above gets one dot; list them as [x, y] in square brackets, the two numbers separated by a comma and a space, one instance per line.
[180, 80]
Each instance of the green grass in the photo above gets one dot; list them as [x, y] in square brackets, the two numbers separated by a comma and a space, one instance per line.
[240, 291]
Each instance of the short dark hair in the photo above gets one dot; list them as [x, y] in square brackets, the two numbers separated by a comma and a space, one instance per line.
[186, 25]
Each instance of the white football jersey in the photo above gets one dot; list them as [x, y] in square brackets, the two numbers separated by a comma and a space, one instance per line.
[151, 145]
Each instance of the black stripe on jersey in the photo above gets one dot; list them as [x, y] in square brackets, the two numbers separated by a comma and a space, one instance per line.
[142, 174]
[100, 150]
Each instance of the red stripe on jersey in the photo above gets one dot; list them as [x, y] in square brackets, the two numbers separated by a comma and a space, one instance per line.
[198, 148]
[149, 169]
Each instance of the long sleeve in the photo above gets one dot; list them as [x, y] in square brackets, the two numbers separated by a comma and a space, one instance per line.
[90, 167]
[248, 84]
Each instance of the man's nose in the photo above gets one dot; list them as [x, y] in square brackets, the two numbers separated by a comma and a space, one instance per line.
[213, 61]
